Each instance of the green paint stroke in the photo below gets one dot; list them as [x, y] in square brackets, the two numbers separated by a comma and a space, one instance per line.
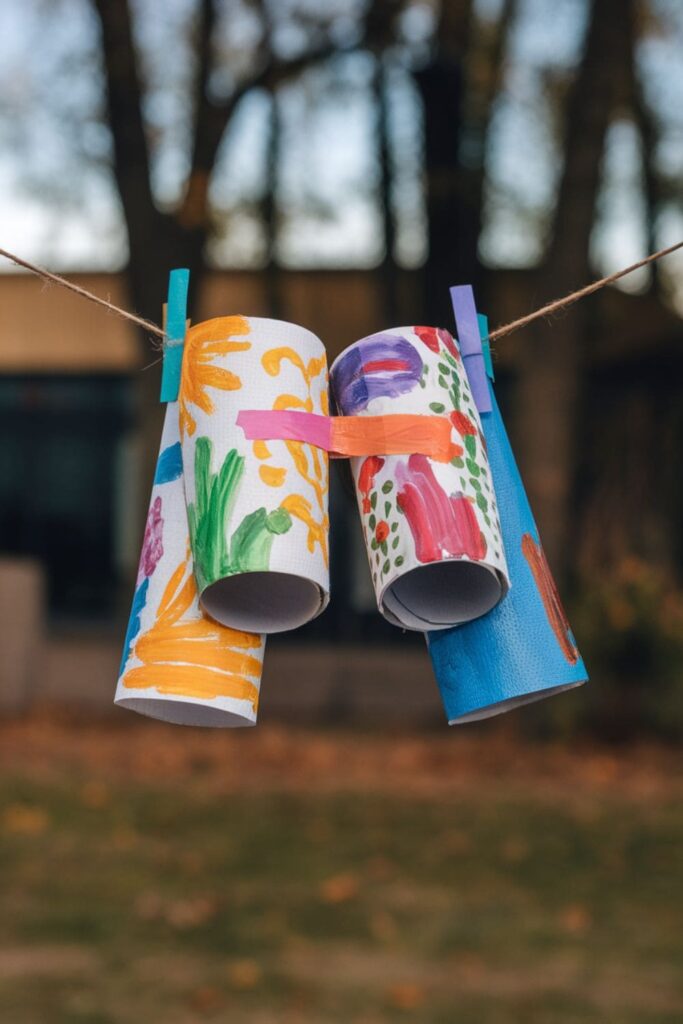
[252, 540]
[248, 550]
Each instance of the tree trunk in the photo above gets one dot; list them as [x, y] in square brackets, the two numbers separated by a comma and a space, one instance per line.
[387, 269]
[269, 212]
[458, 90]
[451, 233]
[547, 418]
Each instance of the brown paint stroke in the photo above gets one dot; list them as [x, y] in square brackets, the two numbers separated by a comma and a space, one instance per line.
[545, 583]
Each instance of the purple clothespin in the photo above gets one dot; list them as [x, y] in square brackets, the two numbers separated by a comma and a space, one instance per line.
[469, 338]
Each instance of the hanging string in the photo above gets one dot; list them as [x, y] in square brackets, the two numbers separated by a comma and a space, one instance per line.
[63, 283]
[568, 300]
[500, 332]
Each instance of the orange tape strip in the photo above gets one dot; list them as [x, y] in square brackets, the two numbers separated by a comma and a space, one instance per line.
[398, 434]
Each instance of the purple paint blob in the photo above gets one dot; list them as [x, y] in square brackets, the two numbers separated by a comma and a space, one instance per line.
[381, 366]
[152, 544]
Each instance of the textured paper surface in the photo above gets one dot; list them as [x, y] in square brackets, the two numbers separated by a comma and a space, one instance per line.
[524, 648]
[177, 664]
[431, 529]
[257, 511]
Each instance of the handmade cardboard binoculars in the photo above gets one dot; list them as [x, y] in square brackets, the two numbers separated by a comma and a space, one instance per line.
[237, 537]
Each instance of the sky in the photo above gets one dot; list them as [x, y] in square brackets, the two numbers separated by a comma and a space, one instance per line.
[58, 204]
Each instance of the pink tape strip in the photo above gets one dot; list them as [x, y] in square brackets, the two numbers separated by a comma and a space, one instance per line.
[286, 425]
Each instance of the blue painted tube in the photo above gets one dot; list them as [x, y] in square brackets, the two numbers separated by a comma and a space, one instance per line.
[523, 649]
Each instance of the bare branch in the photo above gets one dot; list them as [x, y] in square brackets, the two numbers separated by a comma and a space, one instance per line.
[213, 117]
[124, 91]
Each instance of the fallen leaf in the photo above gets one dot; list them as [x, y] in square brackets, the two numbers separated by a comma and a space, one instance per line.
[207, 999]
[406, 996]
[244, 974]
[94, 794]
[22, 820]
[339, 889]
[190, 913]
[575, 919]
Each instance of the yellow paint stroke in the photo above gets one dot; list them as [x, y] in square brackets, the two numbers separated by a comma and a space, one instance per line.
[309, 462]
[274, 476]
[203, 343]
[293, 402]
[195, 658]
[300, 508]
[272, 363]
[261, 450]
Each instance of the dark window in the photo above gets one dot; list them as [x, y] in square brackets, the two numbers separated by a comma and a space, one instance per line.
[57, 475]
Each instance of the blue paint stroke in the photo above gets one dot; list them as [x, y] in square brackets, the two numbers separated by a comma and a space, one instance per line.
[169, 465]
[139, 602]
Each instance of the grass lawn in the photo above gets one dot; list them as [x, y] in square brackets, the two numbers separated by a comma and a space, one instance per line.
[160, 875]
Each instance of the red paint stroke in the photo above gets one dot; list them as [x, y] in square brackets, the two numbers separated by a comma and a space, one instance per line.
[442, 526]
[388, 365]
[543, 578]
[381, 531]
[366, 479]
[463, 424]
[434, 337]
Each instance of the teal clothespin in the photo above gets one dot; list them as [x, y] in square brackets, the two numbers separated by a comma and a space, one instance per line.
[486, 344]
[176, 317]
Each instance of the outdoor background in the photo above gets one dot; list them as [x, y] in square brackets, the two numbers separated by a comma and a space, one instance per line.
[340, 164]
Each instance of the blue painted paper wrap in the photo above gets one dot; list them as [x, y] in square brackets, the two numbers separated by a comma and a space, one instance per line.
[523, 649]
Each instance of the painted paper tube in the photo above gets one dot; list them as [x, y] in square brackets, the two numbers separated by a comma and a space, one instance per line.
[257, 510]
[431, 528]
[177, 664]
[523, 649]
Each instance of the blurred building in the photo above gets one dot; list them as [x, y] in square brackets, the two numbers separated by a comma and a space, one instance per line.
[70, 463]
[71, 458]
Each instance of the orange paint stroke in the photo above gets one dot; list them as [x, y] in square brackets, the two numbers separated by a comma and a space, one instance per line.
[203, 343]
[163, 646]
[535, 556]
[191, 681]
[193, 657]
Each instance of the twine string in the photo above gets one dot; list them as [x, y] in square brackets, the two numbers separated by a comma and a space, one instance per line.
[499, 332]
[568, 300]
[57, 279]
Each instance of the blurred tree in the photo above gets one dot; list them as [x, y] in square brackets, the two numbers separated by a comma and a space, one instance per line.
[381, 30]
[458, 87]
[440, 73]
[161, 238]
[158, 238]
[552, 363]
